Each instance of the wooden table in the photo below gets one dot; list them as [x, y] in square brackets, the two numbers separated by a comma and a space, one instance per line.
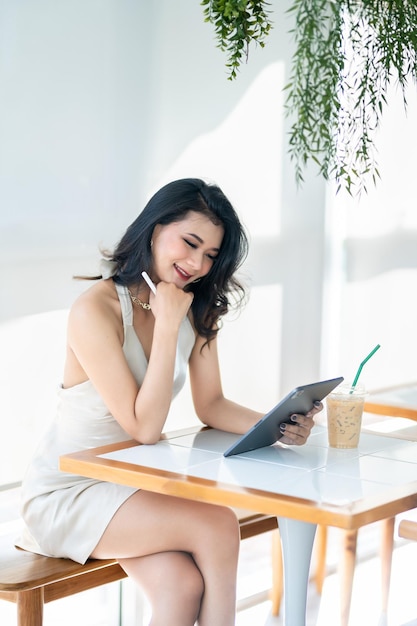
[303, 486]
[395, 401]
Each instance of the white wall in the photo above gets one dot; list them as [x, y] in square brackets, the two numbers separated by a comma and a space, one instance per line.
[102, 101]
[376, 279]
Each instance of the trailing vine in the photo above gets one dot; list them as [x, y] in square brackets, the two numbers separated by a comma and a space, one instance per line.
[237, 23]
[347, 53]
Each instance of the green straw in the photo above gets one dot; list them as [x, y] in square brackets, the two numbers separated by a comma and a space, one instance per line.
[358, 373]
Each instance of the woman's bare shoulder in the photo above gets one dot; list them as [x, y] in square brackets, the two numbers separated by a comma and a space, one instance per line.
[94, 324]
[98, 303]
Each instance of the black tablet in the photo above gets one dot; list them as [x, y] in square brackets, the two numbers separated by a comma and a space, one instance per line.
[267, 431]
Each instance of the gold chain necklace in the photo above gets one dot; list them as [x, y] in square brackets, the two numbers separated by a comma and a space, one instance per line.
[144, 305]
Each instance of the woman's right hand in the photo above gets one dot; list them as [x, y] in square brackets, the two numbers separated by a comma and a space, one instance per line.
[170, 304]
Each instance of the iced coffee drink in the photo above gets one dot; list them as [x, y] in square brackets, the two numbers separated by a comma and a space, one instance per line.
[344, 415]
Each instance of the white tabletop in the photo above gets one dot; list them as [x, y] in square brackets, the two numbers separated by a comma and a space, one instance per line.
[312, 472]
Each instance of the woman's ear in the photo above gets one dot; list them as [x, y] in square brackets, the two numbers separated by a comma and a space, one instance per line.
[155, 233]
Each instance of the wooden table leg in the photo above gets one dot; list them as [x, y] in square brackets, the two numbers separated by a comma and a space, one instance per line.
[321, 552]
[277, 573]
[346, 573]
[30, 607]
[387, 546]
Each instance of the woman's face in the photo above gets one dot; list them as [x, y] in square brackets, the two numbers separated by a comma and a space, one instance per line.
[185, 251]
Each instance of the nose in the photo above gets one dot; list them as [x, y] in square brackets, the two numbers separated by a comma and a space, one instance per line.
[196, 260]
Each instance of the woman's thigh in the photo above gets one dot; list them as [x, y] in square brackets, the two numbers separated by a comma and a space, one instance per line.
[148, 522]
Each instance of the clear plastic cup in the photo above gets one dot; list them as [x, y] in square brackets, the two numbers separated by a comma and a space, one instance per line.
[344, 415]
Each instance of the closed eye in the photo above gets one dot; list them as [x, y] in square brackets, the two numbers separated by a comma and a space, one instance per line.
[193, 245]
[190, 243]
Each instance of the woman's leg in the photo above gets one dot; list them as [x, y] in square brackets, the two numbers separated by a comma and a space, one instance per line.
[172, 584]
[150, 524]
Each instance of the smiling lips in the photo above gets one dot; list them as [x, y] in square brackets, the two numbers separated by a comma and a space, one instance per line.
[181, 273]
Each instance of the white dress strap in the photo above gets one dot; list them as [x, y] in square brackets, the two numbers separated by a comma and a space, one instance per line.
[108, 269]
[125, 304]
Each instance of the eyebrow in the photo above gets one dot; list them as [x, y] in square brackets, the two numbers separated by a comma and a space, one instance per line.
[202, 241]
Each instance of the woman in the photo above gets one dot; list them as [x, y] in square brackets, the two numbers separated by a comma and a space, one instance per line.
[127, 354]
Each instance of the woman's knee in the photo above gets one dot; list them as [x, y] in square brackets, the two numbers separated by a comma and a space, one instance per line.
[171, 576]
[223, 525]
[173, 585]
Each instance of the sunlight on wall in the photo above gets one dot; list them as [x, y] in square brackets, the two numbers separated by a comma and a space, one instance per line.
[249, 349]
[226, 156]
[244, 148]
[373, 290]
[31, 364]
[381, 310]
[390, 205]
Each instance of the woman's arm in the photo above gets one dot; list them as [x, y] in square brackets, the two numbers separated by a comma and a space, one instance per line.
[218, 412]
[95, 339]
[210, 404]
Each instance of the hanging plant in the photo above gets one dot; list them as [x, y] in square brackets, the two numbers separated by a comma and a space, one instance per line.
[347, 52]
[237, 23]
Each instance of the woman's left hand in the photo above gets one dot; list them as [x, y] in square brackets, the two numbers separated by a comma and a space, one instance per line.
[298, 431]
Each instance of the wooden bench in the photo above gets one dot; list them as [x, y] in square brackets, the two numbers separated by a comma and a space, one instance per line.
[30, 580]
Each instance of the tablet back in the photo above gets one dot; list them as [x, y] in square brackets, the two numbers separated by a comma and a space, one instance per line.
[267, 431]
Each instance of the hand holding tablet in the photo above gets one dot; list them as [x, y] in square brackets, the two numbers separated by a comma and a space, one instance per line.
[267, 431]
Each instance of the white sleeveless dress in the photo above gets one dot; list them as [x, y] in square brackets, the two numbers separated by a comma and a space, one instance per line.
[65, 515]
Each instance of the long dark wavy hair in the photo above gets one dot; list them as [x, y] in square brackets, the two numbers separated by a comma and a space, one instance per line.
[219, 289]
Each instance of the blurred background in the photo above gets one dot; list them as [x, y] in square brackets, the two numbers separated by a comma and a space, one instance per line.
[104, 101]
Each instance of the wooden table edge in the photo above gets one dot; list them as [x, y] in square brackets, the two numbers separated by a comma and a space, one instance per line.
[90, 463]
